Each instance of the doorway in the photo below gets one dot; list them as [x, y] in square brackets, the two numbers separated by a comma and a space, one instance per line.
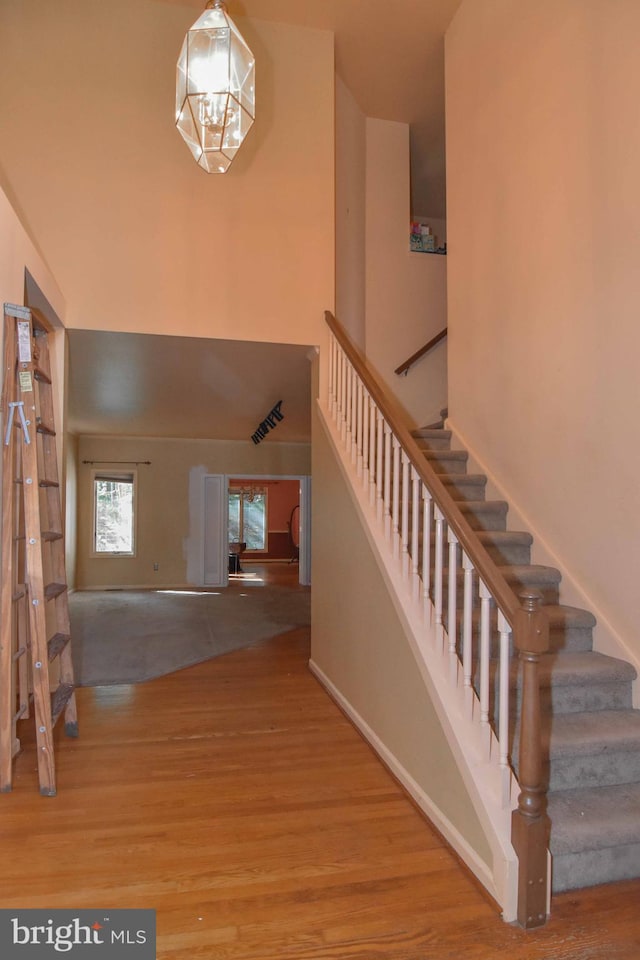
[266, 519]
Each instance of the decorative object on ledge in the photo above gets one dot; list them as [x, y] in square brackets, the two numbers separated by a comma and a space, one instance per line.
[269, 423]
[215, 89]
[422, 240]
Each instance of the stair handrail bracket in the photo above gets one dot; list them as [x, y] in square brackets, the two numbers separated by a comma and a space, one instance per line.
[438, 560]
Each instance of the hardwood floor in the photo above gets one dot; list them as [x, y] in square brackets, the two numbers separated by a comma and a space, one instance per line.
[235, 799]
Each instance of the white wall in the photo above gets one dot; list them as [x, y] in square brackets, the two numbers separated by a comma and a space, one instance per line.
[170, 512]
[360, 649]
[26, 279]
[351, 165]
[543, 206]
[138, 236]
[406, 293]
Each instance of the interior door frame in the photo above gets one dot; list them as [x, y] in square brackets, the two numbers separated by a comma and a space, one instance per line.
[215, 517]
[304, 565]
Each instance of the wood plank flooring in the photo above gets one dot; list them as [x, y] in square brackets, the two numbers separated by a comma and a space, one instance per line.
[235, 799]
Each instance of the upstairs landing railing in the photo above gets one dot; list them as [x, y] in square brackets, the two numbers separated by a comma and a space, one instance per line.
[406, 366]
[432, 544]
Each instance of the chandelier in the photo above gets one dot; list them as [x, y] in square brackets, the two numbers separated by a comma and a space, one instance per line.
[215, 89]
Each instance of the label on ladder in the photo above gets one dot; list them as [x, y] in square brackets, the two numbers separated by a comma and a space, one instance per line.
[24, 341]
[26, 383]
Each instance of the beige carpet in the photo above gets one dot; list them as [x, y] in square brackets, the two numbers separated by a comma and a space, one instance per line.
[132, 636]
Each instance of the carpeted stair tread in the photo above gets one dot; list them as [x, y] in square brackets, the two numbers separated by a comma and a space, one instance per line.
[520, 537]
[590, 734]
[507, 546]
[485, 514]
[590, 730]
[589, 749]
[594, 818]
[563, 617]
[564, 669]
[428, 433]
[530, 574]
[570, 628]
[573, 683]
[431, 438]
[463, 486]
[521, 578]
[447, 461]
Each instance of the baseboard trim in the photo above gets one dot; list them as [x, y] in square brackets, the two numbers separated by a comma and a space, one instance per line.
[442, 824]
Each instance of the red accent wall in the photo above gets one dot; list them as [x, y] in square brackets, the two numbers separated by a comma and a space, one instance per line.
[283, 496]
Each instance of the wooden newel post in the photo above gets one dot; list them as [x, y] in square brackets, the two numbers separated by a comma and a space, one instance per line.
[529, 822]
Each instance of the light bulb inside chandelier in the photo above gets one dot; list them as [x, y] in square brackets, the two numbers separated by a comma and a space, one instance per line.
[215, 89]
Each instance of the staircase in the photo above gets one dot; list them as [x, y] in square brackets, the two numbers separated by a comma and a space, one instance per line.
[591, 733]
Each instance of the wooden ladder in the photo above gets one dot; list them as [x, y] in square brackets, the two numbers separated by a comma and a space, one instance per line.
[36, 669]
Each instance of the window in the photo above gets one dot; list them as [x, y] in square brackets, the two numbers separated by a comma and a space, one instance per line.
[248, 518]
[113, 514]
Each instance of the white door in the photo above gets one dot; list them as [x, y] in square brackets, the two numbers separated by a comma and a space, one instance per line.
[216, 547]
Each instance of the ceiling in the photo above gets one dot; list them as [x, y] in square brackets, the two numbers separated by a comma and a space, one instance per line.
[128, 384]
[391, 57]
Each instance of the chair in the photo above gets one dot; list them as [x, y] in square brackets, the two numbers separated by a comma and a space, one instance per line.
[236, 549]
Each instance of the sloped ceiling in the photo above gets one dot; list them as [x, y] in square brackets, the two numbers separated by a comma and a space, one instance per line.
[125, 384]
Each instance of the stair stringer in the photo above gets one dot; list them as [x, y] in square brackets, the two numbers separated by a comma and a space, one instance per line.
[493, 789]
[606, 639]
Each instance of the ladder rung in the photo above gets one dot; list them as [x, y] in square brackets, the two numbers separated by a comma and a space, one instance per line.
[51, 535]
[19, 653]
[56, 644]
[59, 699]
[40, 375]
[53, 590]
[47, 483]
[43, 428]
[19, 714]
[18, 594]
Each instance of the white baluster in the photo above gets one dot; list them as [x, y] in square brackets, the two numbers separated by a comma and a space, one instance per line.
[349, 409]
[439, 562]
[453, 603]
[426, 548]
[338, 375]
[485, 656]
[343, 397]
[387, 480]
[415, 531]
[355, 380]
[503, 721]
[331, 359]
[366, 399]
[404, 530]
[395, 512]
[467, 626]
[379, 468]
[373, 476]
[359, 437]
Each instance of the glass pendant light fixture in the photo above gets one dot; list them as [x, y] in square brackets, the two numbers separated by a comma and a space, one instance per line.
[215, 89]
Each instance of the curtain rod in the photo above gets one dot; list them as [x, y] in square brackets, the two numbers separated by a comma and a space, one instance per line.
[136, 462]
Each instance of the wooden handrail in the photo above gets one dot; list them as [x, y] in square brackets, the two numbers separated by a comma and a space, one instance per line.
[493, 578]
[404, 367]
[530, 629]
